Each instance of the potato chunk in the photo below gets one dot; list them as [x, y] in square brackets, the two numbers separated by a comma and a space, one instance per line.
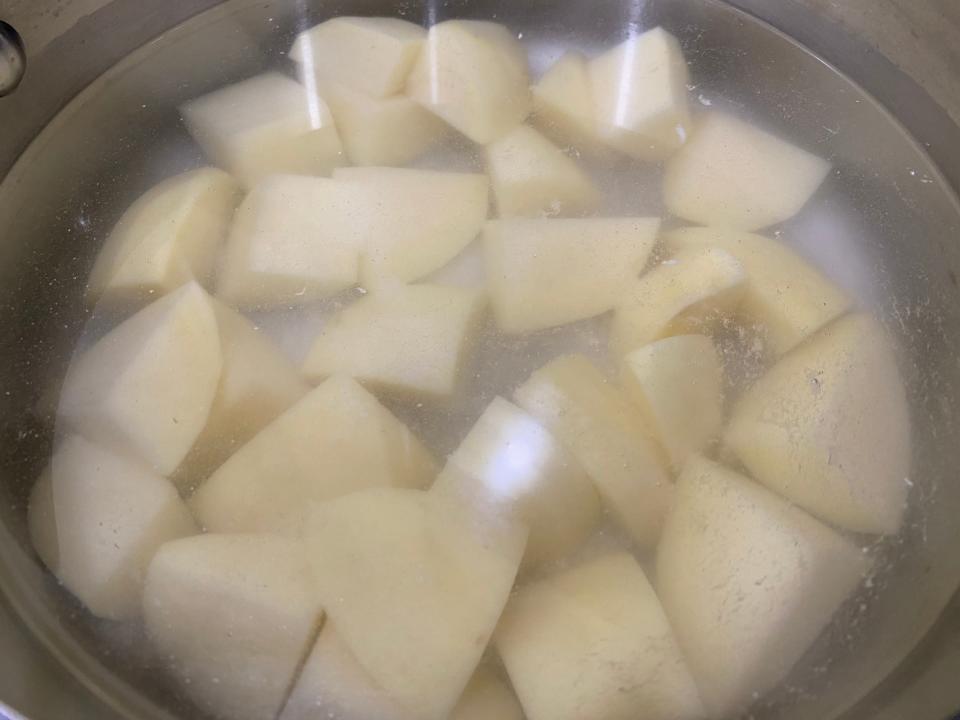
[829, 427]
[336, 440]
[473, 74]
[593, 643]
[265, 125]
[748, 582]
[544, 273]
[563, 105]
[487, 697]
[609, 437]
[731, 174]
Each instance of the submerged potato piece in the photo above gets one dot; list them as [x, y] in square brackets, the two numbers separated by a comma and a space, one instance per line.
[607, 434]
[544, 273]
[336, 440]
[414, 588]
[531, 177]
[487, 697]
[593, 643]
[677, 383]
[640, 92]
[829, 427]
[233, 615]
[147, 386]
[510, 465]
[265, 125]
[169, 236]
[685, 294]
[748, 582]
[563, 106]
[787, 296]
[473, 74]
[731, 174]
[98, 518]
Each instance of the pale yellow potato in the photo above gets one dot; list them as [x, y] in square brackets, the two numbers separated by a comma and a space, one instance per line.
[98, 518]
[510, 466]
[411, 340]
[265, 125]
[232, 616]
[829, 427]
[169, 236]
[734, 175]
[677, 383]
[414, 588]
[336, 440]
[687, 293]
[609, 437]
[373, 55]
[487, 697]
[640, 95]
[532, 177]
[787, 296]
[563, 106]
[474, 75]
[593, 643]
[748, 582]
[543, 273]
[147, 386]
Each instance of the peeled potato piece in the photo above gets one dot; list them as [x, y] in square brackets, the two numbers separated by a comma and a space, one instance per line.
[147, 386]
[563, 105]
[829, 427]
[748, 582]
[487, 697]
[473, 74]
[593, 643]
[336, 440]
[233, 615]
[593, 260]
[731, 174]
[608, 436]
[265, 125]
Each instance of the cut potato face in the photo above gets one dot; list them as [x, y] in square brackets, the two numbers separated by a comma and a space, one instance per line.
[338, 439]
[563, 105]
[147, 386]
[640, 91]
[608, 436]
[829, 428]
[593, 643]
[266, 125]
[743, 574]
[733, 175]
[593, 260]
[404, 574]
[233, 615]
[473, 74]
[412, 340]
[677, 383]
[786, 296]
[487, 697]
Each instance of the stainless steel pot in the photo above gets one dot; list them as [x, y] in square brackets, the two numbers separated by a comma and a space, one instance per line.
[898, 95]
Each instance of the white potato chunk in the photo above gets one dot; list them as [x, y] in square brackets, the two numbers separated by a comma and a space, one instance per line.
[336, 440]
[677, 383]
[531, 177]
[233, 615]
[829, 427]
[265, 125]
[147, 386]
[169, 236]
[734, 175]
[608, 435]
[688, 293]
[510, 465]
[414, 587]
[487, 697]
[473, 74]
[563, 104]
[640, 91]
[373, 55]
[788, 297]
[593, 643]
[748, 582]
[543, 273]
[98, 518]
